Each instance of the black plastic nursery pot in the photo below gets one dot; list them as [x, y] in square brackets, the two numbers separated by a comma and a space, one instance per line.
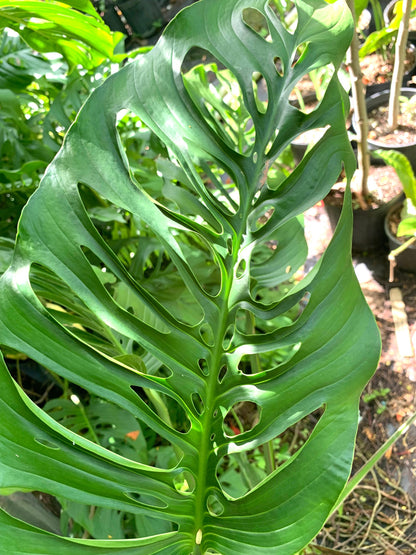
[406, 260]
[381, 99]
[143, 16]
[368, 225]
[112, 19]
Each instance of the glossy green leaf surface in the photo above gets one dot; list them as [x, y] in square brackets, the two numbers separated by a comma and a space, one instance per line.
[50, 26]
[212, 218]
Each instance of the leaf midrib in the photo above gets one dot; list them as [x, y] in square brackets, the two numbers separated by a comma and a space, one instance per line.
[212, 381]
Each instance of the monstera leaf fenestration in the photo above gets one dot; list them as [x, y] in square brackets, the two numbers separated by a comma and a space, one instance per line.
[221, 197]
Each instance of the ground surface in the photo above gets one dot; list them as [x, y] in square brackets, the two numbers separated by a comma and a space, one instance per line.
[379, 517]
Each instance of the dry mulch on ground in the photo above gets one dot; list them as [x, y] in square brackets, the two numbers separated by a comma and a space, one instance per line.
[379, 517]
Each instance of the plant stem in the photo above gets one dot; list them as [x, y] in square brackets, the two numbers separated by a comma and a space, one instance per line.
[19, 373]
[398, 69]
[320, 550]
[402, 248]
[268, 453]
[245, 468]
[88, 424]
[360, 110]
[237, 420]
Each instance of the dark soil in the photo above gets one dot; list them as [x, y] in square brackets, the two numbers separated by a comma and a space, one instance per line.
[306, 89]
[383, 185]
[378, 70]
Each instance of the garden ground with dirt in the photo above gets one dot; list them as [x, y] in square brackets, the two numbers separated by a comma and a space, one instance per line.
[379, 517]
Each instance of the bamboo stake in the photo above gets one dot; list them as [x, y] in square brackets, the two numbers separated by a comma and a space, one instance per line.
[401, 326]
[398, 69]
[360, 110]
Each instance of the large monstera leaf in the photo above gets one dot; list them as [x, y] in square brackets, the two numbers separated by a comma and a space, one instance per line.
[217, 198]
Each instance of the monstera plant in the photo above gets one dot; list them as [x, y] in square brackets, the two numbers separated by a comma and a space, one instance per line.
[217, 198]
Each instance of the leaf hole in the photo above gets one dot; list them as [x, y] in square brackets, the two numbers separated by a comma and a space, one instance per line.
[203, 366]
[244, 321]
[228, 337]
[206, 333]
[257, 22]
[184, 482]
[241, 268]
[46, 443]
[269, 361]
[242, 417]
[214, 506]
[205, 269]
[146, 499]
[278, 64]
[139, 147]
[262, 220]
[198, 403]
[179, 419]
[103, 523]
[231, 476]
[300, 53]
[218, 97]
[114, 427]
[286, 12]
[260, 91]
[311, 88]
[220, 186]
[222, 372]
[230, 246]
[269, 146]
[149, 285]
[305, 102]
[197, 56]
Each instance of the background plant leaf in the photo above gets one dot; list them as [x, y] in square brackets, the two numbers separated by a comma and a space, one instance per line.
[49, 26]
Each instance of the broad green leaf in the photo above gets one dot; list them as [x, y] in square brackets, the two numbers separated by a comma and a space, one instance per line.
[83, 6]
[398, 14]
[376, 40]
[403, 168]
[360, 5]
[206, 229]
[6, 253]
[19, 65]
[25, 177]
[51, 26]
[407, 226]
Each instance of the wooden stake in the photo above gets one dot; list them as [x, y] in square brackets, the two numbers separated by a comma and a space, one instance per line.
[401, 325]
